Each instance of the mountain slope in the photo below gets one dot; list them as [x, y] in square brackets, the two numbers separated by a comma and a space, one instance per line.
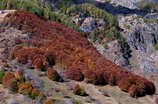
[75, 56]
[43, 61]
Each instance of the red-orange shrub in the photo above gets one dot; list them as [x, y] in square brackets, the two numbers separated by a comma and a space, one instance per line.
[74, 74]
[8, 78]
[73, 50]
[53, 75]
[25, 88]
[49, 101]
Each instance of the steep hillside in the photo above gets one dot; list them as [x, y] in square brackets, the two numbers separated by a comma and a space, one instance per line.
[47, 45]
[99, 26]
[78, 52]
[39, 8]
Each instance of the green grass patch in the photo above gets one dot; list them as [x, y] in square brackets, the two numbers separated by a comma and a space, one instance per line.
[2, 73]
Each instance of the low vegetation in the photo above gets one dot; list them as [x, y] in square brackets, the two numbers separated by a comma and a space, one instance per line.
[74, 74]
[49, 101]
[148, 5]
[40, 9]
[8, 79]
[74, 52]
[156, 46]
[62, 3]
[2, 73]
[53, 75]
[87, 10]
[65, 14]
[108, 31]
[79, 90]
[14, 84]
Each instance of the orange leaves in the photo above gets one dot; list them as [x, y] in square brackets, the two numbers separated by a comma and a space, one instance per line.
[74, 74]
[39, 62]
[9, 81]
[90, 76]
[53, 43]
[49, 101]
[25, 88]
[8, 78]
[53, 75]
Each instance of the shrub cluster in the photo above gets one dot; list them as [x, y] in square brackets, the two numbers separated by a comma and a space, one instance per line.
[49, 101]
[10, 82]
[72, 50]
[53, 75]
[74, 74]
[26, 88]
[66, 11]
[15, 82]
[41, 9]
[79, 90]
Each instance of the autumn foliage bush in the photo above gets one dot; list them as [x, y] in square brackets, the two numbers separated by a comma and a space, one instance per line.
[49, 101]
[94, 77]
[53, 74]
[79, 90]
[8, 78]
[15, 82]
[26, 88]
[9, 81]
[74, 74]
[74, 52]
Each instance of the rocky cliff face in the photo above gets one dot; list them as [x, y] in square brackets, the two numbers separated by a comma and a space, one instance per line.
[140, 33]
[141, 36]
[132, 4]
